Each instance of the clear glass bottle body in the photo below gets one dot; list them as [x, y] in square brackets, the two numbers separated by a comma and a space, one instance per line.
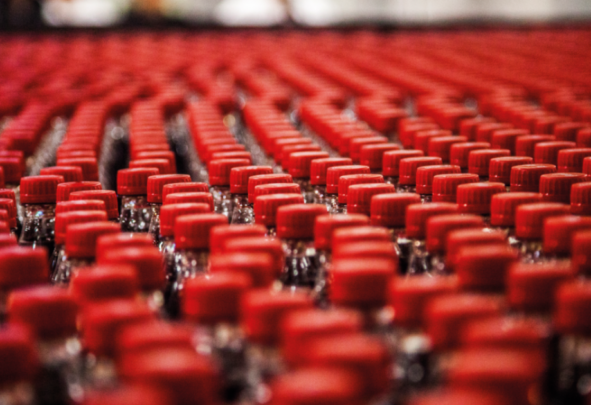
[222, 200]
[154, 228]
[406, 188]
[403, 247]
[412, 349]
[530, 251]
[332, 203]
[392, 180]
[188, 263]
[39, 226]
[263, 363]
[167, 246]
[136, 214]
[64, 271]
[99, 372]
[307, 189]
[320, 196]
[19, 393]
[243, 211]
[301, 266]
[574, 369]
[419, 259]
[340, 209]
[57, 257]
[426, 198]
[59, 381]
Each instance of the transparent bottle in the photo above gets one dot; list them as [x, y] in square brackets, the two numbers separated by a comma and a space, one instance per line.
[318, 171]
[20, 363]
[500, 168]
[219, 180]
[458, 239]
[333, 174]
[479, 161]
[299, 166]
[425, 177]
[407, 170]
[243, 212]
[345, 182]
[475, 198]
[266, 206]
[391, 163]
[109, 197]
[154, 197]
[136, 212]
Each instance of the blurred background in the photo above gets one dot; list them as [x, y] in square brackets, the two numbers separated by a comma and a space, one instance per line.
[15, 14]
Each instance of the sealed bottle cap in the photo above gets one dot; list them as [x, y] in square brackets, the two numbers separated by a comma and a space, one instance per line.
[360, 195]
[103, 283]
[504, 206]
[169, 213]
[102, 322]
[209, 150]
[485, 131]
[163, 165]
[500, 168]
[216, 298]
[20, 360]
[438, 227]
[391, 160]
[122, 240]
[556, 187]
[263, 310]
[300, 329]
[81, 237]
[65, 219]
[266, 206]
[8, 193]
[107, 196]
[88, 165]
[231, 155]
[259, 265]
[581, 253]
[365, 356]
[39, 189]
[186, 198]
[425, 176]
[134, 181]
[64, 190]
[222, 234]
[262, 179]
[479, 160]
[239, 177]
[525, 145]
[276, 188]
[529, 218]
[157, 183]
[146, 260]
[319, 168]
[447, 315]
[193, 231]
[547, 152]
[288, 150]
[49, 311]
[456, 397]
[162, 154]
[372, 155]
[506, 138]
[333, 174]
[352, 179]
[299, 164]
[7, 239]
[408, 168]
[69, 173]
[219, 170]
[278, 144]
[356, 144]
[418, 214]
[458, 239]
[389, 210]
[368, 250]
[469, 126]
[571, 308]
[484, 267]
[357, 234]
[460, 152]
[422, 138]
[258, 248]
[80, 205]
[409, 296]
[571, 160]
[531, 287]
[441, 146]
[22, 267]
[567, 131]
[13, 167]
[355, 284]
[296, 221]
[445, 186]
[8, 205]
[325, 225]
[407, 132]
[476, 198]
[527, 177]
[559, 231]
[191, 187]
[587, 166]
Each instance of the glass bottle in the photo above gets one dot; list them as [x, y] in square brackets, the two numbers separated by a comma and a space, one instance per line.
[333, 174]
[219, 180]
[318, 171]
[266, 206]
[242, 212]
[107, 196]
[154, 197]
[132, 188]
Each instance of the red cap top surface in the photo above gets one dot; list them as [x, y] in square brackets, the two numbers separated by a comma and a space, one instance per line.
[457, 397]
[193, 231]
[357, 234]
[479, 160]
[458, 239]
[239, 177]
[408, 168]
[39, 189]
[506, 138]
[526, 178]
[79, 205]
[325, 225]
[69, 173]
[418, 214]
[156, 185]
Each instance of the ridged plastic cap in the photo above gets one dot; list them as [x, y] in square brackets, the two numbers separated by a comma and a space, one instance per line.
[134, 181]
[475, 198]
[333, 174]
[391, 160]
[469, 126]
[587, 166]
[169, 213]
[504, 206]
[13, 167]
[156, 185]
[191, 187]
[193, 231]
[7, 239]
[547, 152]
[319, 168]
[259, 266]
[8, 205]
[559, 231]
[485, 131]
[556, 187]
[79, 205]
[356, 144]
[444, 187]
[146, 260]
[263, 310]
[422, 138]
[39, 189]
[581, 253]
[580, 199]
[64, 190]
[211, 149]
[65, 219]
[299, 164]
[186, 198]
[407, 131]
[352, 179]
[529, 218]
[239, 177]
[507, 138]
[500, 168]
[567, 131]
[162, 165]
[479, 160]
[262, 179]
[20, 360]
[484, 267]
[366, 250]
[408, 296]
[531, 287]
[126, 395]
[425, 176]
[88, 165]
[408, 168]
[584, 138]
[220, 235]
[49, 311]
[219, 170]
[459, 239]
[439, 226]
[69, 173]
[216, 298]
[296, 221]
[122, 241]
[288, 150]
[571, 308]
[389, 210]
[103, 283]
[163, 154]
[107, 196]
[325, 225]
[460, 152]
[372, 155]
[360, 195]
[441, 146]
[81, 237]
[231, 155]
[418, 214]
[525, 145]
[571, 160]
[526, 178]
[22, 267]
[358, 234]
[266, 206]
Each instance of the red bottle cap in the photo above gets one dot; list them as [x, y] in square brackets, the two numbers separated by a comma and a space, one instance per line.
[169, 214]
[134, 181]
[444, 187]
[372, 155]
[507, 138]
[360, 195]
[460, 152]
[239, 177]
[479, 160]
[262, 312]
[581, 253]
[277, 145]
[69, 173]
[358, 234]
[389, 210]
[504, 206]
[122, 240]
[476, 198]
[20, 360]
[334, 174]
[126, 395]
[296, 221]
[231, 155]
[532, 287]
[408, 168]
[484, 267]
[64, 190]
[422, 138]
[163, 165]
[262, 179]
[146, 260]
[571, 160]
[580, 199]
[587, 166]
[441, 146]
[81, 237]
[300, 163]
[39, 189]
[391, 160]
[191, 187]
[209, 150]
[8, 205]
[409, 297]
[418, 214]
[438, 227]
[458, 239]
[79, 205]
[349, 180]
[325, 225]
[266, 206]
[219, 170]
[186, 198]
[547, 152]
[527, 177]
[319, 168]
[8, 193]
[22, 267]
[104, 282]
[259, 266]
[425, 176]
[220, 235]
[500, 168]
[369, 250]
[107, 196]
[559, 231]
[13, 167]
[469, 126]
[301, 328]
[529, 218]
[153, 335]
[447, 315]
[525, 145]
[278, 188]
[64, 220]
[88, 165]
[162, 154]
[157, 183]
[567, 131]
[571, 308]
[356, 144]
[407, 131]
[214, 299]
[193, 231]
[556, 187]
[288, 150]
[7, 240]
[485, 130]
[584, 138]
[457, 397]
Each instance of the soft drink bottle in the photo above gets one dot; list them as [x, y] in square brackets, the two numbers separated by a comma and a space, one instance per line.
[242, 212]
[333, 174]
[107, 196]
[318, 171]
[219, 180]
[132, 188]
[154, 197]
[300, 169]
